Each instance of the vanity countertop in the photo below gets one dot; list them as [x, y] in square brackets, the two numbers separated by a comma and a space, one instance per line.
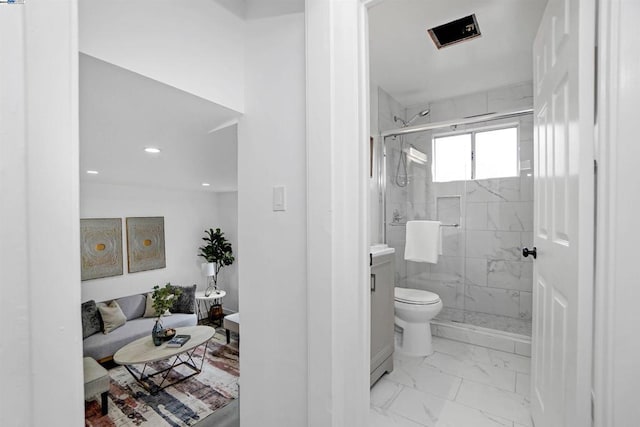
[381, 249]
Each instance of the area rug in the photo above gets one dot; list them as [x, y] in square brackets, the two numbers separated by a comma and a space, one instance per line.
[183, 404]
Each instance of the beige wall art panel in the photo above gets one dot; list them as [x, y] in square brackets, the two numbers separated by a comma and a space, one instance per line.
[101, 247]
[145, 243]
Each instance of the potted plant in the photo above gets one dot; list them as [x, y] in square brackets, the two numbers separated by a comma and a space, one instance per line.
[163, 299]
[218, 253]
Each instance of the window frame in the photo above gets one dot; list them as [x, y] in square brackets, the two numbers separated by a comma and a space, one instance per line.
[473, 131]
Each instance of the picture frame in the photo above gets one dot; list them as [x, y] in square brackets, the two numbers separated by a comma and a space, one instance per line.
[145, 244]
[100, 248]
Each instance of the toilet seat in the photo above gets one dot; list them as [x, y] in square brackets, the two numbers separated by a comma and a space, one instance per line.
[415, 296]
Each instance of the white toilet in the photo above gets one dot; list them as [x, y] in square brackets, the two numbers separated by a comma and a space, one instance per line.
[414, 310]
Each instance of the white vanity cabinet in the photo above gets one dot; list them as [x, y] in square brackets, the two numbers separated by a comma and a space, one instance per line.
[382, 317]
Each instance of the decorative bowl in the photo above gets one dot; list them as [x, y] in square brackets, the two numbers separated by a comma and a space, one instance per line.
[167, 334]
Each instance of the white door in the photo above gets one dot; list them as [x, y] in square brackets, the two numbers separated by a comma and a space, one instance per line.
[563, 61]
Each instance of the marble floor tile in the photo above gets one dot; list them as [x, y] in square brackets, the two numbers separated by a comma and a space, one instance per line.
[456, 415]
[504, 379]
[430, 410]
[427, 378]
[511, 361]
[420, 407]
[462, 350]
[495, 401]
[384, 392]
[460, 385]
[523, 384]
[382, 418]
[407, 362]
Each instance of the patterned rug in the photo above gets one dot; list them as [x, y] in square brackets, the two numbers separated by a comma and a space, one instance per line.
[182, 404]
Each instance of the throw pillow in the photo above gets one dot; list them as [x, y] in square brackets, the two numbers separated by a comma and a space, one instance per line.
[186, 302]
[90, 319]
[112, 316]
[149, 311]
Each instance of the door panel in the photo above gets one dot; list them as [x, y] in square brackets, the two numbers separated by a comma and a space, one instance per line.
[560, 156]
[563, 214]
[539, 366]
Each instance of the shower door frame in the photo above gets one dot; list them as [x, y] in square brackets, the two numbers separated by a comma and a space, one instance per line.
[481, 118]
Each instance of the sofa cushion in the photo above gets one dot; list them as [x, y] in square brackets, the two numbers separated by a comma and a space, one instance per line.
[100, 346]
[149, 311]
[186, 302]
[112, 316]
[132, 306]
[90, 319]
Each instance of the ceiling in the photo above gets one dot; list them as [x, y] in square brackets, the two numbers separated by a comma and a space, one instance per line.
[257, 9]
[406, 63]
[122, 112]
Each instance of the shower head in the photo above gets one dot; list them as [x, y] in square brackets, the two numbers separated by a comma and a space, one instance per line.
[412, 119]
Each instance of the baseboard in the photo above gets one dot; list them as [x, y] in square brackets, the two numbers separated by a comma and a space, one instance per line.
[484, 337]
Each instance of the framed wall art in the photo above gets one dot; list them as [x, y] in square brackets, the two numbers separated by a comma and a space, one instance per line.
[100, 247]
[145, 243]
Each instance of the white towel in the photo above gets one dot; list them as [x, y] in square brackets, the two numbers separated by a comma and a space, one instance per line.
[423, 241]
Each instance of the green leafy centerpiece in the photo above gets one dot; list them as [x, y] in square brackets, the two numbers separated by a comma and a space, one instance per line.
[218, 253]
[163, 299]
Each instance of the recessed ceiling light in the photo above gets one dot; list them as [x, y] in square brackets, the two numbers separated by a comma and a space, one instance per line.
[205, 184]
[92, 172]
[152, 150]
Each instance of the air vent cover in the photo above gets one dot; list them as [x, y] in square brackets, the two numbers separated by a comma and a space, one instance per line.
[455, 31]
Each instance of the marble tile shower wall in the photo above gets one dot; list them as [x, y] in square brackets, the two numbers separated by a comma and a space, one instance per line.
[481, 276]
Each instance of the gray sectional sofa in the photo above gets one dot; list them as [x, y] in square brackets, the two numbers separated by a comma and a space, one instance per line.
[102, 346]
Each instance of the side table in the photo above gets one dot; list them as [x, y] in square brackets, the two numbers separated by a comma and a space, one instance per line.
[215, 299]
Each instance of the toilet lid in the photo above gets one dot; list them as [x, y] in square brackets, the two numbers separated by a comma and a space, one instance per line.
[415, 296]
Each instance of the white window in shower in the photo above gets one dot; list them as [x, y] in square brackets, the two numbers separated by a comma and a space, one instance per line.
[452, 158]
[476, 155]
[496, 153]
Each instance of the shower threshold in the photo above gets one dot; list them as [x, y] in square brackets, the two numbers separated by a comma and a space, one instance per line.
[509, 342]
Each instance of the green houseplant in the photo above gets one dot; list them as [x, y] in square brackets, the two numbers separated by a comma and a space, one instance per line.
[218, 253]
[163, 299]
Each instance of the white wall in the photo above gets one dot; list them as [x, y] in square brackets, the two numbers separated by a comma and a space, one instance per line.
[41, 348]
[186, 216]
[272, 245]
[337, 229]
[227, 221]
[617, 372]
[195, 46]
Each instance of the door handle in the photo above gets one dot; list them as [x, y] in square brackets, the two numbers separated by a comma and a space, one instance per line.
[373, 283]
[533, 252]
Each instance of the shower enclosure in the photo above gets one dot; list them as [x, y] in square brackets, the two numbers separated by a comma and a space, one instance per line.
[473, 175]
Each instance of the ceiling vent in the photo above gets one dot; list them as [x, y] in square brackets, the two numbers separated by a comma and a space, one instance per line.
[455, 31]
